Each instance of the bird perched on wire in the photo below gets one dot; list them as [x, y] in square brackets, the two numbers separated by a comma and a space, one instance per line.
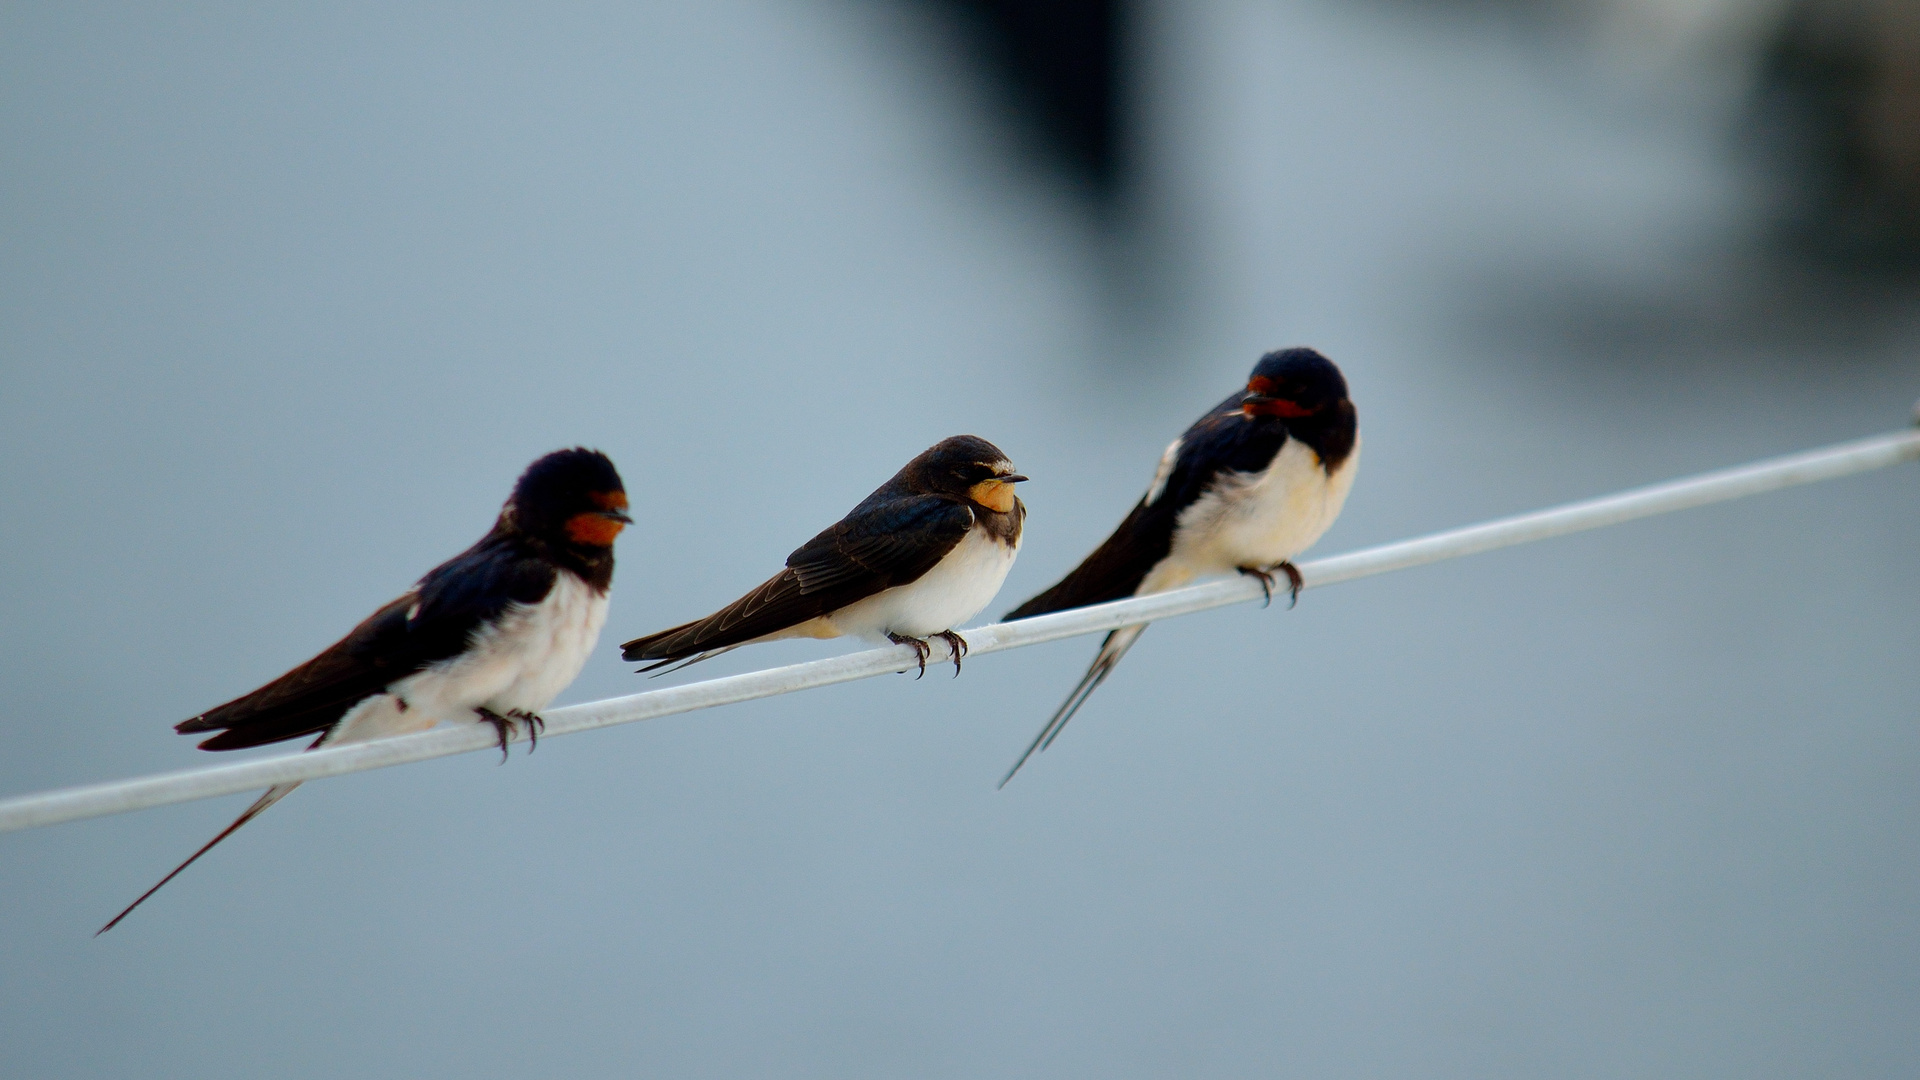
[921, 555]
[491, 635]
[1250, 485]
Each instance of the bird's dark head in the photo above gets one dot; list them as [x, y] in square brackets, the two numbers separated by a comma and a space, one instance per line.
[1293, 383]
[969, 467]
[570, 498]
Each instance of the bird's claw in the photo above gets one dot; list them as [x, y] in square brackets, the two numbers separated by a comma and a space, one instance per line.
[956, 648]
[1265, 576]
[1266, 582]
[536, 724]
[503, 726]
[921, 650]
[1295, 583]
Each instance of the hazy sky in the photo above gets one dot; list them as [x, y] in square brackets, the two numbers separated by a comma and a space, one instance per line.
[290, 297]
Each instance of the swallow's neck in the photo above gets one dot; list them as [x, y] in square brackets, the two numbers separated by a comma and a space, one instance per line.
[1004, 527]
[591, 564]
[1329, 434]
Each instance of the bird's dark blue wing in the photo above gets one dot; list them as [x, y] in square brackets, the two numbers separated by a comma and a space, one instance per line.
[882, 543]
[432, 621]
[1224, 440]
[470, 590]
[886, 541]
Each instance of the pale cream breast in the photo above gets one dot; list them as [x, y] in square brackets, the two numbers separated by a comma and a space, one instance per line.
[1259, 519]
[946, 596]
[553, 644]
[521, 662]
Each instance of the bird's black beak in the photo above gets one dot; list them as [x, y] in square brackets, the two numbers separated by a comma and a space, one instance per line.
[620, 516]
[1257, 399]
[1012, 478]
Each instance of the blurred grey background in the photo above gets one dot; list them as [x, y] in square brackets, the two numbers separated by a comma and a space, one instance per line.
[290, 296]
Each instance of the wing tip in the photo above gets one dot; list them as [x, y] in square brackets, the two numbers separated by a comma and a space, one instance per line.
[231, 740]
[1036, 605]
[659, 646]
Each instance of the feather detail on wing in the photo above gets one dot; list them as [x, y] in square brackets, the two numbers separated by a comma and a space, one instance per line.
[881, 544]
[776, 604]
[1221, 441]
[432, 621]
[1118, 566]
[1114, 570]
[311, 697]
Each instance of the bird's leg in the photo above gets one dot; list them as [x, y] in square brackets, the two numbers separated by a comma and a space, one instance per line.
[1265, 579]
[1294, 582]
[535, 725]
[501, 726]
[921, 649]
[956, 646]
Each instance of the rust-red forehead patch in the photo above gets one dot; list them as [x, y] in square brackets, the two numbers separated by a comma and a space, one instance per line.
[608, 500]
[593, 530]
[1277, 407]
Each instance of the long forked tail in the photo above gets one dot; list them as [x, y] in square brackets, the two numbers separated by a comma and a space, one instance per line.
[1111, 650]
[274, 794]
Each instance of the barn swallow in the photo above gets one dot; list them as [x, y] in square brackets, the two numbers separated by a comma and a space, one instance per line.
[922, 554]
[1249, 486]
[491, 635]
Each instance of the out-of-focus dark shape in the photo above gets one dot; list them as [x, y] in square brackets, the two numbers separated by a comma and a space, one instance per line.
[1825, 94]
[1061, 56]
[1839, 97]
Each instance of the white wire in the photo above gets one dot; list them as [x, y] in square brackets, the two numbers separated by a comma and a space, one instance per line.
[162, 789]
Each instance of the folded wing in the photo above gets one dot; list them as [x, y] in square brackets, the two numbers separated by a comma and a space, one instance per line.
[432, 621]
[883, 543]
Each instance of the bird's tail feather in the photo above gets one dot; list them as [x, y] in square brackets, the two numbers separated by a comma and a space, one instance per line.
[274, 794]
[1111, 650]
[661, 667]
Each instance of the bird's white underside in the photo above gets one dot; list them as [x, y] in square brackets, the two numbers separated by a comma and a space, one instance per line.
[955, 590]
[520, 662]
[1253, 519]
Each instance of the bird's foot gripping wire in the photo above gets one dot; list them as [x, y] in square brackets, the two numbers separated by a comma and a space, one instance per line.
[1265, 576]
[504, 727]
[536, 724]
[956, 648]
[921, 649]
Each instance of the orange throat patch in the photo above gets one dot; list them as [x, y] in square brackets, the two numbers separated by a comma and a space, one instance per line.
[592, 530]
[994, 495]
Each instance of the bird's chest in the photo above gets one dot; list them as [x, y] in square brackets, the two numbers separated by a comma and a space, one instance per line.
[944, 597]
[525, 658]
[1265, 517]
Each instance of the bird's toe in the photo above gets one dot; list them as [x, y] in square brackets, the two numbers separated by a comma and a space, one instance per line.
[1265, 578]
[502, 727]
[956, 648]
[921, 650]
